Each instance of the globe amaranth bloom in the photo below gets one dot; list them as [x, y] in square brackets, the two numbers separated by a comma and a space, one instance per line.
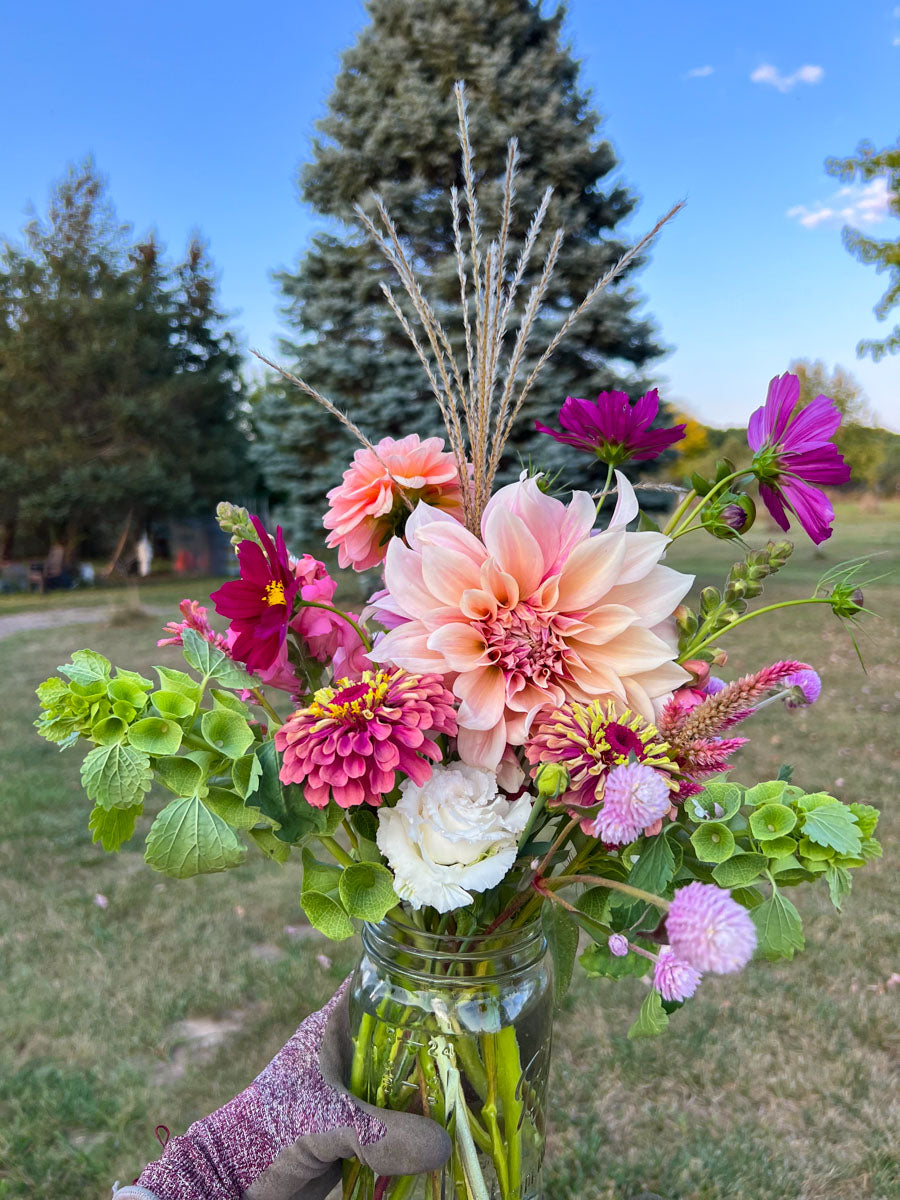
[674, 979]
[591, 741]
[380, 488]
[536, 612]
[260, 603]
[352, 740]
[635, 797]
[793, 451]
[708, 930]
[612, 428]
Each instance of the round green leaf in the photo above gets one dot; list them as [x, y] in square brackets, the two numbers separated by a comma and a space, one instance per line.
[781, 847]
[108, 731]
[718, 800]
[127, 692]
[740, 870]
[125, 711]
[179, 774]
[227, 732]
[231, 808]
[367, 891]
[187, 839]
[713, 842]
[154, 735]
[326, 915]
[772, 821]
[766, 793]
[174, 705]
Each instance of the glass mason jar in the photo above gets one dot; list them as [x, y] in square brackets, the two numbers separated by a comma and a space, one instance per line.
[458, 1029]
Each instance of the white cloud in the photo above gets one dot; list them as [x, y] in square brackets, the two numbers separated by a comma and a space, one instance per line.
[699, 72]
[855, 204]
[766, 73]
[897, 41]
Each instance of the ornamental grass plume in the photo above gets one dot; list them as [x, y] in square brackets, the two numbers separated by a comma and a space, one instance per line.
[379, 490]
[351, 742]
[613, 428]
[673, 978]
[793, 450]
[708, 930]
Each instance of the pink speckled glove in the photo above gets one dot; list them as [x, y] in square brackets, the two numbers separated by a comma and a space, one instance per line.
[285, 1136]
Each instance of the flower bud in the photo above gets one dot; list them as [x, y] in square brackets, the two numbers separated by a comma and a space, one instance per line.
[710, 598]
[728, 515]
[779, 553]
[552, 779]
[685, 619]
[736, 589]
[618, 945]
[719, 658]
[846, 601]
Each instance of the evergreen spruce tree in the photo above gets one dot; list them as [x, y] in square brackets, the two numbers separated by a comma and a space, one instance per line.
[119, 390]
[391, 129]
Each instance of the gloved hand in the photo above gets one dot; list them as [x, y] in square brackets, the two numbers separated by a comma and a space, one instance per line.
[284, 1137]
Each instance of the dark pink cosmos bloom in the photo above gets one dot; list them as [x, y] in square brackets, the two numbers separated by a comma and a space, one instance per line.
[793, 451]
[260, 603]
[354, 738]
[612, 428]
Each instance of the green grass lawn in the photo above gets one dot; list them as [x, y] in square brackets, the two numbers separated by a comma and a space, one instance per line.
[780, 1083]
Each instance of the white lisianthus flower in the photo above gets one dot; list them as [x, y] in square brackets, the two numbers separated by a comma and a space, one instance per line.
[451, 836]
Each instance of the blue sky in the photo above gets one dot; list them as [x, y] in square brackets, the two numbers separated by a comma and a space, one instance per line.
[200, 112]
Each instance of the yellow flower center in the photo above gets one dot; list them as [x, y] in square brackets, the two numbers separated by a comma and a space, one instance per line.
[274, 592]
[352, 699]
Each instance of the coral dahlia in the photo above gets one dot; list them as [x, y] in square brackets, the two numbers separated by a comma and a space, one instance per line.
[352, 740]
[536, 612]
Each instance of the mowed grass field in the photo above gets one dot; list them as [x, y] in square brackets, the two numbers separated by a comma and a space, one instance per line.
[162, 1004]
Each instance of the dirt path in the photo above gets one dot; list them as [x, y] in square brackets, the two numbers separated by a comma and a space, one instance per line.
[54, 618]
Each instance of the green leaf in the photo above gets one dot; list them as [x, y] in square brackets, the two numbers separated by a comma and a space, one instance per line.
[112, 827]
[188, 839]
[809, 849]
[246, 773]
[833, 825]
[772, 821]
[740, 870]
[779, 929]
[174, 705]
[561, 933]
[127, 692]
[116, 776]
[594, 903]
[200, 654]
[110, 730]
[231, 808]
[86, 667]
[765, 793]
[285, 806]
[230, 701]
[135, 678]
[652, 1019]
[227, 732]
[871, 848]
[780, 847]
[124, 712]
[367, 891]
[154, 735]
[597, 961]
[718, 800]
[231, 674]
[177, 681]
[655, 869]
[713, 842]
[179, 774]
[269, 844]
[839, 884]
[326, 915]
[866, 818]
[747, 897]
[364, 822]
[319, 876]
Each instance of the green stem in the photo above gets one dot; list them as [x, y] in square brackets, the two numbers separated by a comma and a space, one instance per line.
[259, 699]
[509, 1077]
[679, 512]
[364, 637]
[605, 492]
[671, 528]
[615, 885]
[489, 1112]
[336, 850]
[360, 1050]
[758, 612]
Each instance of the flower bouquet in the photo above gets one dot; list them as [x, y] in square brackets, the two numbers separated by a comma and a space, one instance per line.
[518, 742]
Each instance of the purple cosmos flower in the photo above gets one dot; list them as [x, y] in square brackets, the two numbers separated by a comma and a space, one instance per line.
[708, 930]
[612, 428]
[260, 603]
[792, 452]
[674, 979]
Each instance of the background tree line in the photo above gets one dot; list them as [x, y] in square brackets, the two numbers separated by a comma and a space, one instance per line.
[121, 385]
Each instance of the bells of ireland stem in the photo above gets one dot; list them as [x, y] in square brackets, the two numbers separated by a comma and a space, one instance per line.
[730, 514]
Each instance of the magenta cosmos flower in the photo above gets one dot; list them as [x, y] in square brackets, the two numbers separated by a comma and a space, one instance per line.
[536, 612]
[612, 428]
[793, 451]
[708, 930]
[259, 604]
[353, 739]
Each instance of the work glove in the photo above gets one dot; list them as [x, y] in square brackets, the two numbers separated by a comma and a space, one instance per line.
[285, 1136]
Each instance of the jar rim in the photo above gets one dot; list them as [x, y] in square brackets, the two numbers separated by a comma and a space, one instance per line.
[390, 940]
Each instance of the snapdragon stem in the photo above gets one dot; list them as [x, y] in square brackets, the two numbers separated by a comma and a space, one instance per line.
[364, 637]
[336, 850]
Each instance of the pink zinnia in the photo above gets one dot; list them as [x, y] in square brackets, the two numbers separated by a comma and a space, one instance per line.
[793, 451]
[380, 489]
[352, 740]
[259, 604]
[635, 796]
[612, 428]
[708, 930]
[536, 612]
[674, 979]
[194, 617]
